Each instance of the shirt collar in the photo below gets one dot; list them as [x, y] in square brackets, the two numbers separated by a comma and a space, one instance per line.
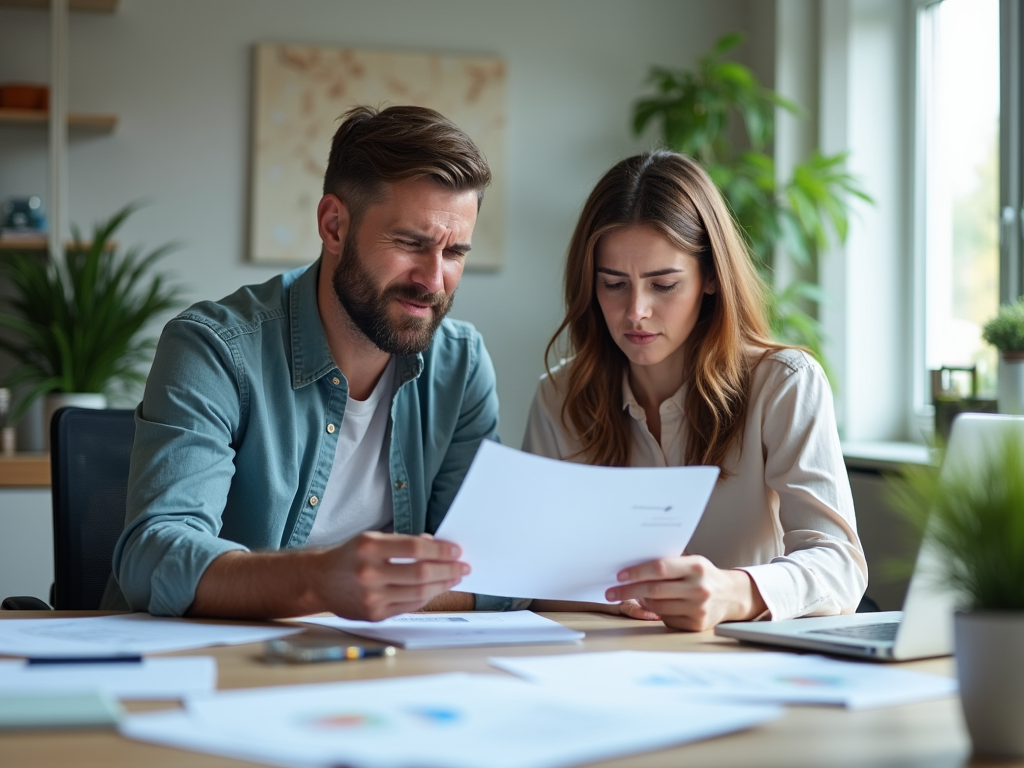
[629, 402]
[311, 357]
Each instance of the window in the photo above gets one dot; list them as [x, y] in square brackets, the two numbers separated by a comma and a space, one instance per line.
[958, 186]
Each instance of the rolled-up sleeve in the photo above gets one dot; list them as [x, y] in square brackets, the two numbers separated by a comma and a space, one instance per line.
[822, 570]
[181, 470]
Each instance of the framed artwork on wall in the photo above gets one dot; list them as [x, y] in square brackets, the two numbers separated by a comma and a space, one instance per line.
[299, 94]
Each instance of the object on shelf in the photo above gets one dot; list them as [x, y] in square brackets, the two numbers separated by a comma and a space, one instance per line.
[24, 96]
[950, 400]
[23, 216]
[6, 431]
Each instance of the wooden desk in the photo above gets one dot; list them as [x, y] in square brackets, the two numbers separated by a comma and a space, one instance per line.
[929, 735]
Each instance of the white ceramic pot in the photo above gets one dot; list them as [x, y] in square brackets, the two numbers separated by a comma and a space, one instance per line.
[57, 400]
[1011, 382]
[990, 663]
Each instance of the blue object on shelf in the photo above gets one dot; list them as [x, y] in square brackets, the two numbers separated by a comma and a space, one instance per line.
[25, 214]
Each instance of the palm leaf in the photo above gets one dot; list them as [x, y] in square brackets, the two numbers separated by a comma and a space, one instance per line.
[75, 323]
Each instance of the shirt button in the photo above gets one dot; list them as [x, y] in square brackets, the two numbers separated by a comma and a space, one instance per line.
[336, 381]
[400, 484]
[313, 501]
[330, 429]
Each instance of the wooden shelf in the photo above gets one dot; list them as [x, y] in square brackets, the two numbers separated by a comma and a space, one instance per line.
[34, 243]
[87, 6]
[25, 470]
[90, 122]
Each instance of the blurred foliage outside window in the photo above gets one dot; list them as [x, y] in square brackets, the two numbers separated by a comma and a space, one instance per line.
[959, 119]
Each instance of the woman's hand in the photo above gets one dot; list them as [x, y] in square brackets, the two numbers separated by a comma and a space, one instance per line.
[689, 592]
[633, 609]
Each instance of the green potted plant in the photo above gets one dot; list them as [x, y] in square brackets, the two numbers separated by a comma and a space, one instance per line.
[1005, 332]
[695, 111]
[75, 323]
[972, 515]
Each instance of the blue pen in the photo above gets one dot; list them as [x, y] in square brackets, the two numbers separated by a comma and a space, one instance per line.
[41, 660]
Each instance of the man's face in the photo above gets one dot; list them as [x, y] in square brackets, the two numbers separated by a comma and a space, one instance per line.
[400, 265]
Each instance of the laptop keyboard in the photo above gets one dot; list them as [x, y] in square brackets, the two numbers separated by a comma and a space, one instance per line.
[883, 632]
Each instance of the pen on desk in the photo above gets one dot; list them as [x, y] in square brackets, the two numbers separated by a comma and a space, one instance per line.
[352, 652]
[299, 651]
[42, 660]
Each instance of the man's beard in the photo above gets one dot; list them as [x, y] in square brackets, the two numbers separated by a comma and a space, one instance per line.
[367, 307]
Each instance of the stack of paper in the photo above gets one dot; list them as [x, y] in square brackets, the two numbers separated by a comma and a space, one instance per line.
[439, 721]
[126, 634]
[87, 709]
[143, 679]
[456, 630]
[782, 678]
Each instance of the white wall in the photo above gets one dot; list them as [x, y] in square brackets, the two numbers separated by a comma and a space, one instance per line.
[26, 542]
[178, 74]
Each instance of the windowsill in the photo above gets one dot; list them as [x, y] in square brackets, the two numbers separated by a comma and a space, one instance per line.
[884, 456]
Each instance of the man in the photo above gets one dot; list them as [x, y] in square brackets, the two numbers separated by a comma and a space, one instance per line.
[289, 428]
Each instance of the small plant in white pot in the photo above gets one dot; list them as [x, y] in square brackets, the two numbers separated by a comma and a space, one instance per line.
[973, 515]
[75, 325]
[1005, 332]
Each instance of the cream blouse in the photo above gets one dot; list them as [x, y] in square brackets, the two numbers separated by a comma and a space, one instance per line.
[785, 514]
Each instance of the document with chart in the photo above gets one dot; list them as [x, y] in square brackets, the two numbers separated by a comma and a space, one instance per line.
[433, 721]
[535, 527]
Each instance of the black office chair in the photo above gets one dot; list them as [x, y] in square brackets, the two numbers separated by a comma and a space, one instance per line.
[90, 452]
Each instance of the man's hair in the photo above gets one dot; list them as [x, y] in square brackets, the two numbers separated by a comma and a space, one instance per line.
[376, 147]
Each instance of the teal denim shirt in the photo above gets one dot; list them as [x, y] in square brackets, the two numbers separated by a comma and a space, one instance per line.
[232, 447]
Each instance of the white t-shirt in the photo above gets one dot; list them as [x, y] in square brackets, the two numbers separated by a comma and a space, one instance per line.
[358, 493]
[785, 516]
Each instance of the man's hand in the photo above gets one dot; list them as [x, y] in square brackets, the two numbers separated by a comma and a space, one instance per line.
[377, 575]
[370, 577]
[690, 592]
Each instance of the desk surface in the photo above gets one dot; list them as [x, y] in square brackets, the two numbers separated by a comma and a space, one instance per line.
[929, 735]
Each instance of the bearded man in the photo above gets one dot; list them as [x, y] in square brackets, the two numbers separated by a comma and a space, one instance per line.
[300, 440]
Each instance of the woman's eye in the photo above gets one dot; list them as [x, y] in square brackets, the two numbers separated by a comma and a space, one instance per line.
[612, 286]
[665, 288]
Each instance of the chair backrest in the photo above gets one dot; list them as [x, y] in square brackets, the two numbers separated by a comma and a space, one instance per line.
[90, 452]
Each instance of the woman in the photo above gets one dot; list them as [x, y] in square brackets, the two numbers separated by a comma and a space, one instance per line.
[673, 365]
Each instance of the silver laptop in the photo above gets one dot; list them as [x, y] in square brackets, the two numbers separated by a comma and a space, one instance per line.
[925, 625]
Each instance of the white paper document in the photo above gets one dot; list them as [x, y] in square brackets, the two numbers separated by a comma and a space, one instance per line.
[436, 721]
[173, 678]
[783, 678]
[535, 527]
[456, 630]
[124, 634]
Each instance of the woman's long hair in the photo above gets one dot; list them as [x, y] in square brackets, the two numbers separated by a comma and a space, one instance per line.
[672, 193]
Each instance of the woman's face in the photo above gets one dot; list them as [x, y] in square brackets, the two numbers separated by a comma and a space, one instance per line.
[650, 293]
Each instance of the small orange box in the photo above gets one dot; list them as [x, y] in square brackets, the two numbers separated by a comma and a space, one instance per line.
[24, 96]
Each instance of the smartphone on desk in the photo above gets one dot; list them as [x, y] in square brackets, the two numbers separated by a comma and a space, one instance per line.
[304, 650]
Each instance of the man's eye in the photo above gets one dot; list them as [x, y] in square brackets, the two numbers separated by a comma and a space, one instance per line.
[665, 288]
[408, 243]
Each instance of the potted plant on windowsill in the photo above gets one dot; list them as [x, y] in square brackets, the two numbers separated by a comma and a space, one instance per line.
[75, 323]
[1005, 332]
[972, 513]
